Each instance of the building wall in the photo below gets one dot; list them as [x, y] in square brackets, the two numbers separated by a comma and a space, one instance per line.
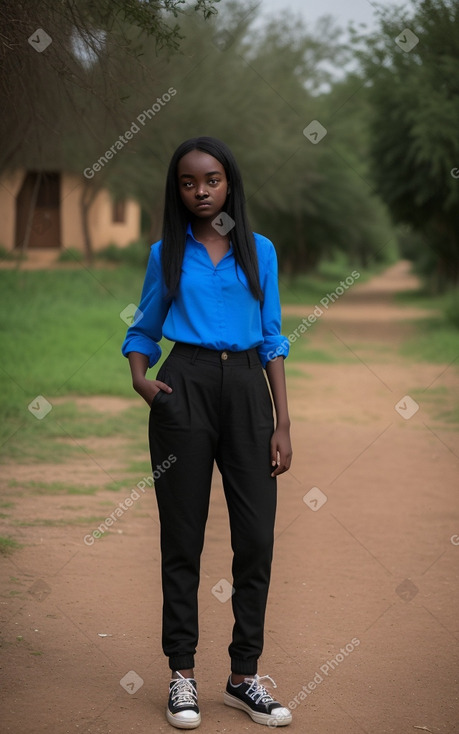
[103, 229]
[10, 185]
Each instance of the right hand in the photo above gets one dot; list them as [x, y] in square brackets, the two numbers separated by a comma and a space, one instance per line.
[148, 389]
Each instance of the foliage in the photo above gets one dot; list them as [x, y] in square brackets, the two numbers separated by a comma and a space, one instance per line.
[8, 545]
[311, 200]
[256, 89]
[134, 254]
[70, 255]
[7, 254]
[413, 127]
[80, 72]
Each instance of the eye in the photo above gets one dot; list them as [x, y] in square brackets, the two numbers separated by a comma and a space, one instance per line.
[187, 184]
[214, 180]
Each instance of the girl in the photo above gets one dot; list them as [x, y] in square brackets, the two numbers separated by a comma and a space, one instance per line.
[211, 287]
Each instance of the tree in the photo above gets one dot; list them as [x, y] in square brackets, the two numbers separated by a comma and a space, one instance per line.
[414, 91]
[61, 105]
[87, 48]
[257, 90]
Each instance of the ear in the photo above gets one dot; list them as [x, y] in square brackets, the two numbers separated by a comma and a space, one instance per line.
[228, 190]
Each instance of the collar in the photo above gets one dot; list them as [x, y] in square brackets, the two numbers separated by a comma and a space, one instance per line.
[226, 261]
[189, 232]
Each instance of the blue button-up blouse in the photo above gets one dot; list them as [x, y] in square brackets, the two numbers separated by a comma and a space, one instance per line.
[213, 306]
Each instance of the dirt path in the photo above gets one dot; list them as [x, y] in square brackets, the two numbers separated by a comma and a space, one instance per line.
[362, 626]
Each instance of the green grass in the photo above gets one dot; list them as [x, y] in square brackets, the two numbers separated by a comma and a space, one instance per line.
[139, 467]
[135, 254]
[310, 289]
[7, 254]
[300, 350]
[61, 337]
[116, 486]
[59, 522]
[436, 341]
[446, 305]
[62, 331]
[51, 488]
[422, 298]
[293, 372]
[442, 403]
[8, 545]
[449, 415]
[437, 338]
[70, 255]
[63, 434]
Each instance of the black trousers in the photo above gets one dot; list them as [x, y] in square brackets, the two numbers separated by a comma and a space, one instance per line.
[220, 410]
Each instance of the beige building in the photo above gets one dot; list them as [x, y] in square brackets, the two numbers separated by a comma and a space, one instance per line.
[44, 210]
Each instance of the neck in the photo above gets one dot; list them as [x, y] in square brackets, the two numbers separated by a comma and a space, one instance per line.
[203, 229]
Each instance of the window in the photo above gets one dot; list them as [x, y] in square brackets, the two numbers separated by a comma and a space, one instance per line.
[119, 211]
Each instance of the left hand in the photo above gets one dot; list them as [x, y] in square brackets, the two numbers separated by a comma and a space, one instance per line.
[281, 451]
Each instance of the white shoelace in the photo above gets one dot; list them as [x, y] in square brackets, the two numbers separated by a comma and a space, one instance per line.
[183, 693]
[257, 692]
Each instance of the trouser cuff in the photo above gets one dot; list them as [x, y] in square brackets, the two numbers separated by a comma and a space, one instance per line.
[240, 666]
[181, 662]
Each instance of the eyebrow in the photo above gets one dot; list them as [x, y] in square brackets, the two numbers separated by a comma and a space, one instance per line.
[210, 173]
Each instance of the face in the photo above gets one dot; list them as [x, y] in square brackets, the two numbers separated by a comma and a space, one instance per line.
[202, 183]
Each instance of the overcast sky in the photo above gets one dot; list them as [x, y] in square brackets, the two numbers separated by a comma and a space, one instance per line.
[343, 11]
[359, 11]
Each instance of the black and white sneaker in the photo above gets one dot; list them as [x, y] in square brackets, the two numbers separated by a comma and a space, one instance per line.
[253, 698]
[182, 708]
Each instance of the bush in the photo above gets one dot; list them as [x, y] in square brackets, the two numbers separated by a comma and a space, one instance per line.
[9, 254]
[452, 310]
[135, 254]
[70, 255]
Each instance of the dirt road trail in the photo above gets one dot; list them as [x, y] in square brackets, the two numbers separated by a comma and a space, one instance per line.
[362, 626]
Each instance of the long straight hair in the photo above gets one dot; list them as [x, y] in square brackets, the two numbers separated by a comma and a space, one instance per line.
[177, 216]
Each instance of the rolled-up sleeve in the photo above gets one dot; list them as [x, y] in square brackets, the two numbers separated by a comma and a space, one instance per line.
[147, 327]
[274, 343]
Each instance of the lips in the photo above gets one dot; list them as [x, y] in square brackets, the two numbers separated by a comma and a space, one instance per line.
[203, 205]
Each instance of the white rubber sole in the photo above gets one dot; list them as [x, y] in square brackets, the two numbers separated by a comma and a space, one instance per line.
[183, 723]
[266, 719]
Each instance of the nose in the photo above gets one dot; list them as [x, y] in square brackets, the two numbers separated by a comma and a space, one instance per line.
[201, 192]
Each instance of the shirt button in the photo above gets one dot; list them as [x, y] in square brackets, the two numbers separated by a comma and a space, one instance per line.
[224, 355]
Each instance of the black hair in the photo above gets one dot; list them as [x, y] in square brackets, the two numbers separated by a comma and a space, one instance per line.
[177, 216]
